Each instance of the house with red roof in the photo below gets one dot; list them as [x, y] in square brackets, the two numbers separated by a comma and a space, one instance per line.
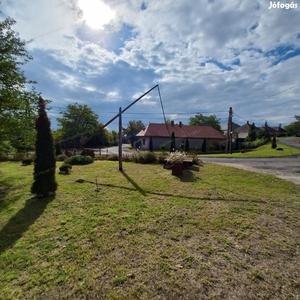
[161, 134]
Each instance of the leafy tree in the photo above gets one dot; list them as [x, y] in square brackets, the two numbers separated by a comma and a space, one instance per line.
[133, 128]
[201, 120]
[101, 137]
[173, 142]
[77, 121]
[45, 164]
[203, 146]
[18, 105]
[252, 133]
[114, 137]
[293, 128]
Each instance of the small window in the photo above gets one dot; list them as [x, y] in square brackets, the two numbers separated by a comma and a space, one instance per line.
[143, 141]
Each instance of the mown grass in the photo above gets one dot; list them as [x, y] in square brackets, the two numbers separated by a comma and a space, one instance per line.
[262, 151]
[214, 233]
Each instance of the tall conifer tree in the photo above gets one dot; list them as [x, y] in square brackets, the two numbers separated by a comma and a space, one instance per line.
[45, 164]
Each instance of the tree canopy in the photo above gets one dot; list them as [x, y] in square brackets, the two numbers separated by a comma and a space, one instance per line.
[293, 128]
[77, 121]
[202, 120]
[133, 128]
[18, 105]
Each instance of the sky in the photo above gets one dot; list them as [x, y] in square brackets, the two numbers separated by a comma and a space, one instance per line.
[205, 56]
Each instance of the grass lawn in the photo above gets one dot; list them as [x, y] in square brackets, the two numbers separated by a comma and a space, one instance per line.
[214, 233]
[262, 151]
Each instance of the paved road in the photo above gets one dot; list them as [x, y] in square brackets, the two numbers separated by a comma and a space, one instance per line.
[287, 168]
[114, 150]
[291, 141]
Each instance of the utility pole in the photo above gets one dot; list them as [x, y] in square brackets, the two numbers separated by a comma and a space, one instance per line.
[229, 133]
[120, 139]
[230, 125]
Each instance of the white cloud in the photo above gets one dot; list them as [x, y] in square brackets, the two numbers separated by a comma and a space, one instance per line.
[206, 56]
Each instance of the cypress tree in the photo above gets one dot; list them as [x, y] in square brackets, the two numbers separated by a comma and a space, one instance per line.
[45, 164]
[203, 146]
[274, 143]
[173, 142]
[186, 145]
[151, 144]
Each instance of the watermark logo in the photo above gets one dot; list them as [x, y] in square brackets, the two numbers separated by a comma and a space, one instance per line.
[278, 4]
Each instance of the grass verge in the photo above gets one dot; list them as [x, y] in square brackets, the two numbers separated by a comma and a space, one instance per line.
[213, 233]
[262, 151]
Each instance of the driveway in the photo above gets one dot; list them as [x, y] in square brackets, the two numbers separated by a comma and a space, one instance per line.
[287, 168]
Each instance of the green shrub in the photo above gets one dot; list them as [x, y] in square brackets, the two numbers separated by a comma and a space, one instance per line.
[148, 158]
[79, 160]
[135, 157]
[26, 161]
[18, 156]
[196, 160]
[161, 159]
[61, 157]
[126, 158]
[3, 157]
[113, 157]
[65, 168]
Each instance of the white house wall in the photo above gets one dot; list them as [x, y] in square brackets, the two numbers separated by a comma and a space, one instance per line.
[157, 141]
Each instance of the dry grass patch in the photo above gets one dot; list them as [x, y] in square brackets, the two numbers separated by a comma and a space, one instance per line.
[214, 233]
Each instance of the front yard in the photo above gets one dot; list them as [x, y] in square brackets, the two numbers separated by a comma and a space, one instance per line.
[213, 233]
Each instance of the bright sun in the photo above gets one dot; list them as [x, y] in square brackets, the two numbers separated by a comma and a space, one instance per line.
[96, 13]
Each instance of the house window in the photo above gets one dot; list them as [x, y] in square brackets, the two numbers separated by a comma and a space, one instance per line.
[143, 141]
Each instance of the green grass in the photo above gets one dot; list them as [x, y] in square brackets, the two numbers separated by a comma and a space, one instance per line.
[214, 233]
[262, 151]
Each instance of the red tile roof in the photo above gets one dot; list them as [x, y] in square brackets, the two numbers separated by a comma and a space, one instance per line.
[183, 131]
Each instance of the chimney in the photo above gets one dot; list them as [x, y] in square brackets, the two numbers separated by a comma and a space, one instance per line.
[172, 123]
[247, 122]
[279, 125]
[180, 124]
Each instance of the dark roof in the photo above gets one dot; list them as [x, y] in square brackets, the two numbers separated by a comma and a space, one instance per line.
[271, 130]
[224, 127]
[180, 131]
[243, 129]
[279, 129]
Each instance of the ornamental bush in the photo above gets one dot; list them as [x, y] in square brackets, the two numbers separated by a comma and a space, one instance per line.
[65, 168]
[148, 158]
[61, 157]
[79, 160]
[26, 161]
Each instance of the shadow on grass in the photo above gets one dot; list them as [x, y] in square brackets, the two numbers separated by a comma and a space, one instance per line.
[188, 175]
[5, 200]
[22, 220]
[137, 187]
[171, 195]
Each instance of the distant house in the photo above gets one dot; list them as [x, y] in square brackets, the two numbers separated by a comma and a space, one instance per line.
[224, 127]
[242, 132]
[279, 131]
[161, 134]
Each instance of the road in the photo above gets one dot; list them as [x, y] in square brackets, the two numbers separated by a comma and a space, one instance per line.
[114, 150]
[290, 141]
[287, 168]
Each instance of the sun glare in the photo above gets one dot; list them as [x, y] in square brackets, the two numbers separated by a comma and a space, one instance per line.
[96, 13]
